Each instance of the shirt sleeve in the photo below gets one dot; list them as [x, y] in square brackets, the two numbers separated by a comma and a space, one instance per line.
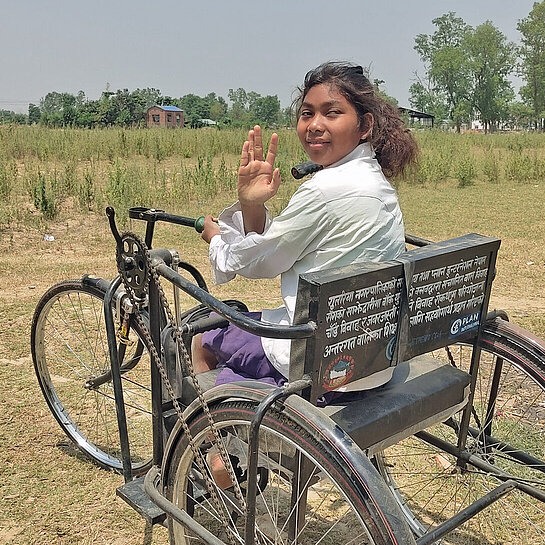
[285, 240]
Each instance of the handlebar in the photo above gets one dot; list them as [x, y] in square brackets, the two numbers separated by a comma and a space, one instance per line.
[153, 215]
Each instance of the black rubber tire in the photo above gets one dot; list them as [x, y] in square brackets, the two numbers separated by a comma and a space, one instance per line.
[69, 347]
[428, 484]
[343, 506]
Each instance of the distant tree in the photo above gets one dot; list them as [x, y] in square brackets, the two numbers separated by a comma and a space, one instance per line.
[106, 109]
[287, 117]
[532, 64]
[266, 110]
[195, 108]
[68, 109]
[150, 96]
[446, 64]
[51, 103]
[239, 106]
[250, 108]
[521, 116]
[377, 83]
[217, 107]
[34, 114]
[7, 116]
[491, 59]
[424, 98]
[51, 108]
[88, 114]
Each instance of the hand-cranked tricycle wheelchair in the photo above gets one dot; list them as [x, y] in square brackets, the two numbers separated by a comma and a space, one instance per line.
[450, 446]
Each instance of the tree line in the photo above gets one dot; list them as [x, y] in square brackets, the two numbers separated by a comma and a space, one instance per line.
[128, 108]
[467, 73]
[466, 76]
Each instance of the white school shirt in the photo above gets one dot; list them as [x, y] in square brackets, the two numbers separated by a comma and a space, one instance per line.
[346, 213]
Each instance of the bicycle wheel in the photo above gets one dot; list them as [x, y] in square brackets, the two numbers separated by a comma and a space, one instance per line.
[339, 506]
[428, 484]
[70, 348]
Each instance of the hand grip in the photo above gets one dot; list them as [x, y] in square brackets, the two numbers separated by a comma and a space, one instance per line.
[199, 224]
[304, 169]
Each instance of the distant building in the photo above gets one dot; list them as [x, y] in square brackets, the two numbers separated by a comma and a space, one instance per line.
[418, 118]
[165, 116]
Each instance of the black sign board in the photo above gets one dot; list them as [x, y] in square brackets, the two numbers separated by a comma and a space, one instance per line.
[372, 316]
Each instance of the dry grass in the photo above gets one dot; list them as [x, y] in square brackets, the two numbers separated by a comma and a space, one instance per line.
[48, 492]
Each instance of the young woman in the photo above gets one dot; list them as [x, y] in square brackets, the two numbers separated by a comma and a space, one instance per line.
[348, 212]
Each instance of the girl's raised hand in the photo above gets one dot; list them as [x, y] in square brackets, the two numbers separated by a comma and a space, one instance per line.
[258, 180]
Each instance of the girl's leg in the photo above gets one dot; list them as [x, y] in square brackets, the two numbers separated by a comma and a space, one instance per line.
[203, 359]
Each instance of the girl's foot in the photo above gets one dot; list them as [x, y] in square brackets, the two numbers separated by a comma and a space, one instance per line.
[217, 469]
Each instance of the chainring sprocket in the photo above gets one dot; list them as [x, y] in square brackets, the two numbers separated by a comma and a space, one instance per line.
[132, 264]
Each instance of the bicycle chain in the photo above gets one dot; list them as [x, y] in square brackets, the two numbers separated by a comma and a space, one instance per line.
[188, 364]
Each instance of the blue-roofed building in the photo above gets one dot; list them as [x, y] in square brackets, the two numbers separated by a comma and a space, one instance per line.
[165, 116]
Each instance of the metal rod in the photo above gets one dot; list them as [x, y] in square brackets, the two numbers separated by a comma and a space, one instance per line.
[515, 453]
[179, 515]
[95, 382]
[150, 227]
[491, 406]
[466, 413]
[253, 448]
[155, 313]
[431, 536]
[240, 320]
[116, 380]
[479, 463]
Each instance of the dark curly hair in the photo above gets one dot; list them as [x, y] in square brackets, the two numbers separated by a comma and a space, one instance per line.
[394, 145]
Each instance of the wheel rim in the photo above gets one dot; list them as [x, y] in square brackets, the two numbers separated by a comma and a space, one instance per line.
[431, 488]
[72, 348]
[331, 517]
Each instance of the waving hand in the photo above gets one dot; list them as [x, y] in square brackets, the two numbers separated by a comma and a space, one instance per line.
[258, 180]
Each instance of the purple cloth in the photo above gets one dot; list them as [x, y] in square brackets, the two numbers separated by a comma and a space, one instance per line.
[241, 355]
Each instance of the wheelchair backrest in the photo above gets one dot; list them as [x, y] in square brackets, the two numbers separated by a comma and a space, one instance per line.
[370, 316]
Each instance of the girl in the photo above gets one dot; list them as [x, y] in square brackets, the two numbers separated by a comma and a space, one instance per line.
[347, 212]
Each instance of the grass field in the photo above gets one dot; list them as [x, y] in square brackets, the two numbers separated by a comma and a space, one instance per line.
[57, 182]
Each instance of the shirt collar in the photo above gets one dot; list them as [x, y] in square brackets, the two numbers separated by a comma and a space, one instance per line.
[361, 151]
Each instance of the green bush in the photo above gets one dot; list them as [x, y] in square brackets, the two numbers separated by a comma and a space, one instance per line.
[465, 170]
[44, 191]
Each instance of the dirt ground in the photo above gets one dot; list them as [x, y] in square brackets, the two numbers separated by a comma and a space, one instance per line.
[50, 494]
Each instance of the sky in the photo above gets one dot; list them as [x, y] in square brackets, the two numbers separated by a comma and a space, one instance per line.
[205, 46]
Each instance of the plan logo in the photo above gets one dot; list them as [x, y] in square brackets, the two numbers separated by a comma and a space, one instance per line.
[465, 323]
[338, 372]
[390, 348]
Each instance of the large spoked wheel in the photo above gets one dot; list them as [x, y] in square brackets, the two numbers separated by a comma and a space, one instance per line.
[71, 360]
[505, 427]
[341, 506]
